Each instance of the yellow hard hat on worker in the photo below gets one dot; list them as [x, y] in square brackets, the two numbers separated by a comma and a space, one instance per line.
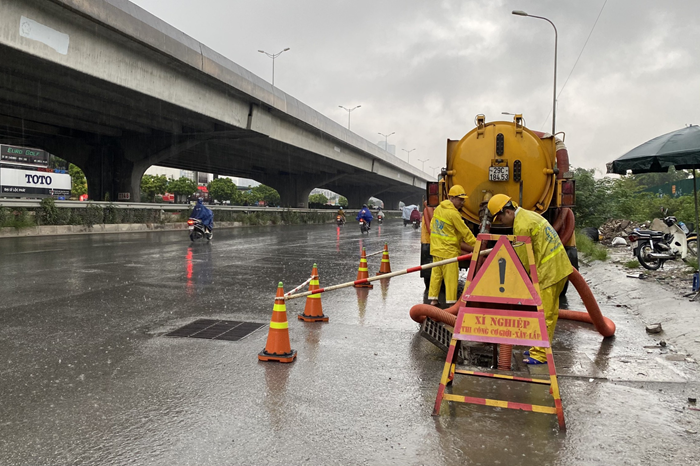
[498, 202]
[457, 191]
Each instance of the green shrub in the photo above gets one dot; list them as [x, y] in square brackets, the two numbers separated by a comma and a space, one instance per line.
[590, 250]
[48, 212]
[19, 218]
[4, 216]
[633, 264]
[93, 215]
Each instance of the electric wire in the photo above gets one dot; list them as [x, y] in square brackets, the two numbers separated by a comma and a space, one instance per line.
[577, 59]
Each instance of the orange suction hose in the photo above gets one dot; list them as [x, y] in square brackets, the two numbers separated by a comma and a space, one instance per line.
[603, 325]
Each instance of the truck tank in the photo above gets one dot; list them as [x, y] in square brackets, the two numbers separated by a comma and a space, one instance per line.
[506, 157]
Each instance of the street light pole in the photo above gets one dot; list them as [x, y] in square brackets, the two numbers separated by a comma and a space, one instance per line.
[435, 168]
[386, 140]
[554, 105]
[349, 110]
[408, 155]
[423, 165]
[273, 56]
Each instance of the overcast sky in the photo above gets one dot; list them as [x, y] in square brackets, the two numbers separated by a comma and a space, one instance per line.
[425, 69]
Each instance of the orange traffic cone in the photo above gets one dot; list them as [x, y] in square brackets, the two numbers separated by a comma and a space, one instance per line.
[362, 271]
[385, 267]
[278, 347]
[313, 311]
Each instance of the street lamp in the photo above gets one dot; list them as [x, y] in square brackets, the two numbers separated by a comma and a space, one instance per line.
[423, 166]
[349, 110]
[408, 154]
[273, 56]
[386, 140]
[554, 105]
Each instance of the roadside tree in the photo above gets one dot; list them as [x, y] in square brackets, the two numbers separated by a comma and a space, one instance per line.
[79, 181]
[223, 189]
[152, 185]
[182, 187]
[264, 193]
[316, 201]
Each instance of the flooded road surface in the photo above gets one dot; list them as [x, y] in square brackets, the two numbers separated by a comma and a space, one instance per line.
[89, 377]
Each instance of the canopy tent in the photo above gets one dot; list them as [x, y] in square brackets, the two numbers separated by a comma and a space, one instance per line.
[679, 149]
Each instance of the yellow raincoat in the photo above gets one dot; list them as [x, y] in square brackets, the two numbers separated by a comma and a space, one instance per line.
[552, 263]
[447, 231]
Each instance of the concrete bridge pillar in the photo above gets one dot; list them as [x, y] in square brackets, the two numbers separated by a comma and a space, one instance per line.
[357, 197]
[114, 166]
[391, 200]
[293, 190]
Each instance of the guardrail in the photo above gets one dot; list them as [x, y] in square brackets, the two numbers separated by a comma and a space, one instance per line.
[35, 203]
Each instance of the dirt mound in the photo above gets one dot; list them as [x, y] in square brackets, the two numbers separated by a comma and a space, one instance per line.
[613, 228]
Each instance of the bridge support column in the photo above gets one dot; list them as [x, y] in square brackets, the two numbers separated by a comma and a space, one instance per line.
[357, 197]
[115, 165]
[294, 190]
[391, 200]
[112, 176]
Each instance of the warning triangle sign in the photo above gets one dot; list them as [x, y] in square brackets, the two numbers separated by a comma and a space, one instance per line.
[502, 279]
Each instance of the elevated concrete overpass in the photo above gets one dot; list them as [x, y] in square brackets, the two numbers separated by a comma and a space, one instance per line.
[114, 90]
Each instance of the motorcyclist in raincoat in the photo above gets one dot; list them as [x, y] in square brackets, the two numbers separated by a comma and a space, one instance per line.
[203, 213]
[341, 214]
[551, 261]
[365, 214]
[448, 232]
[380, 213]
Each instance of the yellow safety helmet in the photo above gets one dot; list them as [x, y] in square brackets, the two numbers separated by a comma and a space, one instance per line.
[497, 203]
[457, 191]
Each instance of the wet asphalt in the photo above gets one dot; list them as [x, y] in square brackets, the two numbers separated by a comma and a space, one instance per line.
[89, 377]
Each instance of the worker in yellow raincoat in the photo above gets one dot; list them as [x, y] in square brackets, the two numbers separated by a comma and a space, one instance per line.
[449, 236]
[551, 261]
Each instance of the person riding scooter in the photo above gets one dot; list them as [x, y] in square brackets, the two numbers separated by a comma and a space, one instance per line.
[380, 215]
[203, 213]
[415, 215]
[365, 214]
[341, 215]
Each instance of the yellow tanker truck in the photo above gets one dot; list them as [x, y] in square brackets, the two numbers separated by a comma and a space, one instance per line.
[507, 158]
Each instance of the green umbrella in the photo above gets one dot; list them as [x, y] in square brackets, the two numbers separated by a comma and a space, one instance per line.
[679, 149]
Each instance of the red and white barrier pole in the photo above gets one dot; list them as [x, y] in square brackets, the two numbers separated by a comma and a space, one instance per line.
[298, 287]
[386, 275]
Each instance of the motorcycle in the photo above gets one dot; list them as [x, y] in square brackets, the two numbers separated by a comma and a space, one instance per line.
[416, 224]
[653, 248]
[340, 220]
[364, 226]
[380, 220]
[198, 230]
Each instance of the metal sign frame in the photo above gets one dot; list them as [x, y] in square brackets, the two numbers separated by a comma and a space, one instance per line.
[522, 324]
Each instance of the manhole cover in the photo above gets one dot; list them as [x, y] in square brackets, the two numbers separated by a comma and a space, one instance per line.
[210, 329]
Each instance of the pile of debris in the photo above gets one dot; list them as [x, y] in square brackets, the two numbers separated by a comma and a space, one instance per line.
[613, 228]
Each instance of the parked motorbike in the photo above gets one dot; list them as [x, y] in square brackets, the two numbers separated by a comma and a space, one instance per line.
[364, 226]
[198, 230]
[653, 248]
[340, 220]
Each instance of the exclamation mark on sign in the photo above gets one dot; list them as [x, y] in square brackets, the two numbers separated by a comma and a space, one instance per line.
[502, 273]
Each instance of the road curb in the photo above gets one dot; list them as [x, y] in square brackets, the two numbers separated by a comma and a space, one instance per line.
[57, 230]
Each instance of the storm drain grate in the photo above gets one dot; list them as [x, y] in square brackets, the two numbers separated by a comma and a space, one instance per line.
[210, 329]
[439, 335]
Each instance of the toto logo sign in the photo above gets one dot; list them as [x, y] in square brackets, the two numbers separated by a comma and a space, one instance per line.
[38, 179]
